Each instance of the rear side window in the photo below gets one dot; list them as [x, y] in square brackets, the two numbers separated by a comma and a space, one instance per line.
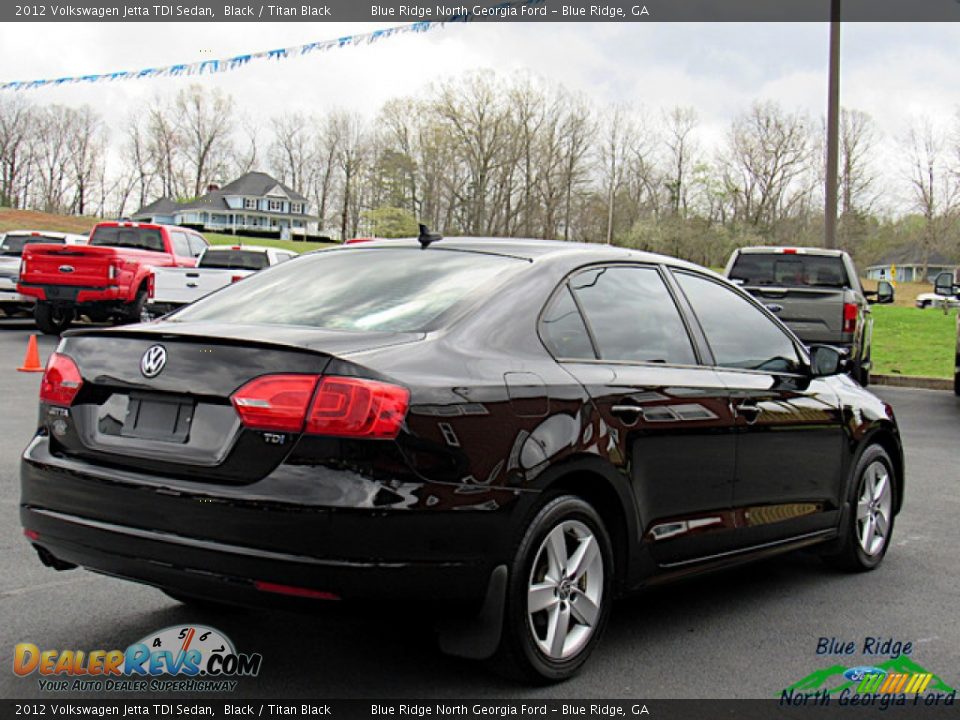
[562, 329]
[740, 334]
[137, 238]
[234, 259]
[389, 289]
[632, 315]
[788, 270]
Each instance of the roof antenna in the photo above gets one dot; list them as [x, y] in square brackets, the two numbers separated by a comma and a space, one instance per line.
[426, 237]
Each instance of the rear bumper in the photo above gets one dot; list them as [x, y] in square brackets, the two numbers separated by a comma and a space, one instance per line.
[219, 546]
[74, 294]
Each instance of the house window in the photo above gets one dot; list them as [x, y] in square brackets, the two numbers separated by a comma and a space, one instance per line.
[275, 205]
[249, 204]
[296, 208]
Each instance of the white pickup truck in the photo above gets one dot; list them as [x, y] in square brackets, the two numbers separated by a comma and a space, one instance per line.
[219, 265]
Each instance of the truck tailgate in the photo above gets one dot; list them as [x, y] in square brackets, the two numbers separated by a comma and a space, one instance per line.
[67, 265]
[814, 314]
[184, 285]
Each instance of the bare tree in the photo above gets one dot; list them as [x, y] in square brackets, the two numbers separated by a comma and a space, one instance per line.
[206, 119]
[766, 167]
[292, 150]
[16, 120]
[681, 124]
[87, 146]
[933, 187]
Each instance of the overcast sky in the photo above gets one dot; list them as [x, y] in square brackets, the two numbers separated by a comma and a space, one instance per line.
[892, 71]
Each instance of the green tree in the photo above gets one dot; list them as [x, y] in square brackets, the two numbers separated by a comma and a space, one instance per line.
[391, 222]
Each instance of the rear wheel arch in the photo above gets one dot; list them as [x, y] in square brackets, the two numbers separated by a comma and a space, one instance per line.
[613, 503]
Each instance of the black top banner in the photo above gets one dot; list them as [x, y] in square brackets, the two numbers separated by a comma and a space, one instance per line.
[387, 11]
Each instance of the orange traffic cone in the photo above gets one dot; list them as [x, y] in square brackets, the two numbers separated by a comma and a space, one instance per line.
[31, 361]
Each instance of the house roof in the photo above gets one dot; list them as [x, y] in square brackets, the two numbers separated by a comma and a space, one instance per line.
[251, 184]
[162, 206]
[258, 184]
[911, 255]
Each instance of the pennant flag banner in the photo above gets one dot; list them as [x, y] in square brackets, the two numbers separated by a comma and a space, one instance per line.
[207, 67]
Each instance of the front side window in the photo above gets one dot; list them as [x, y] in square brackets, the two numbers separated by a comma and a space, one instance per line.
[197, 245]
[632, 315]
[181, 248]
[739, 334]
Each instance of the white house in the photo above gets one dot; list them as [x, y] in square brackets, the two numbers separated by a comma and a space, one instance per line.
[252, 201]
[909, 265]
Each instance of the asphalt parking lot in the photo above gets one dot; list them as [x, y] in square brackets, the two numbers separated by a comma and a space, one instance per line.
[747, 633]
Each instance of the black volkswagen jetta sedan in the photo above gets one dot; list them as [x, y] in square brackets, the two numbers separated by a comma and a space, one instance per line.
[518, 430]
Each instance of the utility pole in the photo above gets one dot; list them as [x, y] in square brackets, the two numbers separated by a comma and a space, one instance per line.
[833, 130]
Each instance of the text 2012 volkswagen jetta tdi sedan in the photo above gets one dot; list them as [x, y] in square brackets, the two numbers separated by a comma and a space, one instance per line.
[527, 429]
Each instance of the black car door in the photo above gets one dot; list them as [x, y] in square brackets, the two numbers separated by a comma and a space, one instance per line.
[664, 419]
[789, 426]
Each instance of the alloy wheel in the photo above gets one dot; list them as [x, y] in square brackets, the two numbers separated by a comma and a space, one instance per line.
[874, 508]
[565, 590]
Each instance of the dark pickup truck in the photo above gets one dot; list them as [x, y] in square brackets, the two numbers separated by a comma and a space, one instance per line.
[817, 293]
[107, 279]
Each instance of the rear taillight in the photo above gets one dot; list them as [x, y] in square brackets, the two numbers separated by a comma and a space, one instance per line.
[61, 381]
[151, 286]
[341, 407]
[850, 312]
[236, 278]
[112, 270]
[354, 407]
[275, 402]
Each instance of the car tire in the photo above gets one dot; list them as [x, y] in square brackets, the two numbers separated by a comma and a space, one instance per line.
[51, 319]
[133, 313]
[575, 599]
[865, 536]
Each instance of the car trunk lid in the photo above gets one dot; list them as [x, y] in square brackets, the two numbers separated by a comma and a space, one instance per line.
[178, 420]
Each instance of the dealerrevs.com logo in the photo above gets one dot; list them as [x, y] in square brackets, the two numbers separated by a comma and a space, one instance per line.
[180, 658]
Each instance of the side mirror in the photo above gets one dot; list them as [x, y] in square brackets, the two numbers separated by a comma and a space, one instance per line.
[885, 293]
[827, 360]
[943, 284]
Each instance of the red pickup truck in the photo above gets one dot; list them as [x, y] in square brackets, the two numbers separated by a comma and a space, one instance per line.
[107, 279]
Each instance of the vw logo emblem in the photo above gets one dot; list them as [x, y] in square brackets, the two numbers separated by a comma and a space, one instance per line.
[153, 361]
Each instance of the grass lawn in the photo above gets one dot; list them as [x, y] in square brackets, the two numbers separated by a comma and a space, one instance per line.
[908, 341]
[295, 245]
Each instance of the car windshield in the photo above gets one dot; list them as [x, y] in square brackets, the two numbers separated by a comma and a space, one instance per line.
[234, 259]
[378, 289]
[14, 244]
[790, 270]
[129, 237]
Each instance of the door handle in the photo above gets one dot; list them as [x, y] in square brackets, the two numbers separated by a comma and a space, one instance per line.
[628, 414]
[749, 411]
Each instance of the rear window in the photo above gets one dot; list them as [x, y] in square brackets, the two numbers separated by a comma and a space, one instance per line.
[234, 259]
[384, 289]
[789, 270]
[14, 244]
[129, 237]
